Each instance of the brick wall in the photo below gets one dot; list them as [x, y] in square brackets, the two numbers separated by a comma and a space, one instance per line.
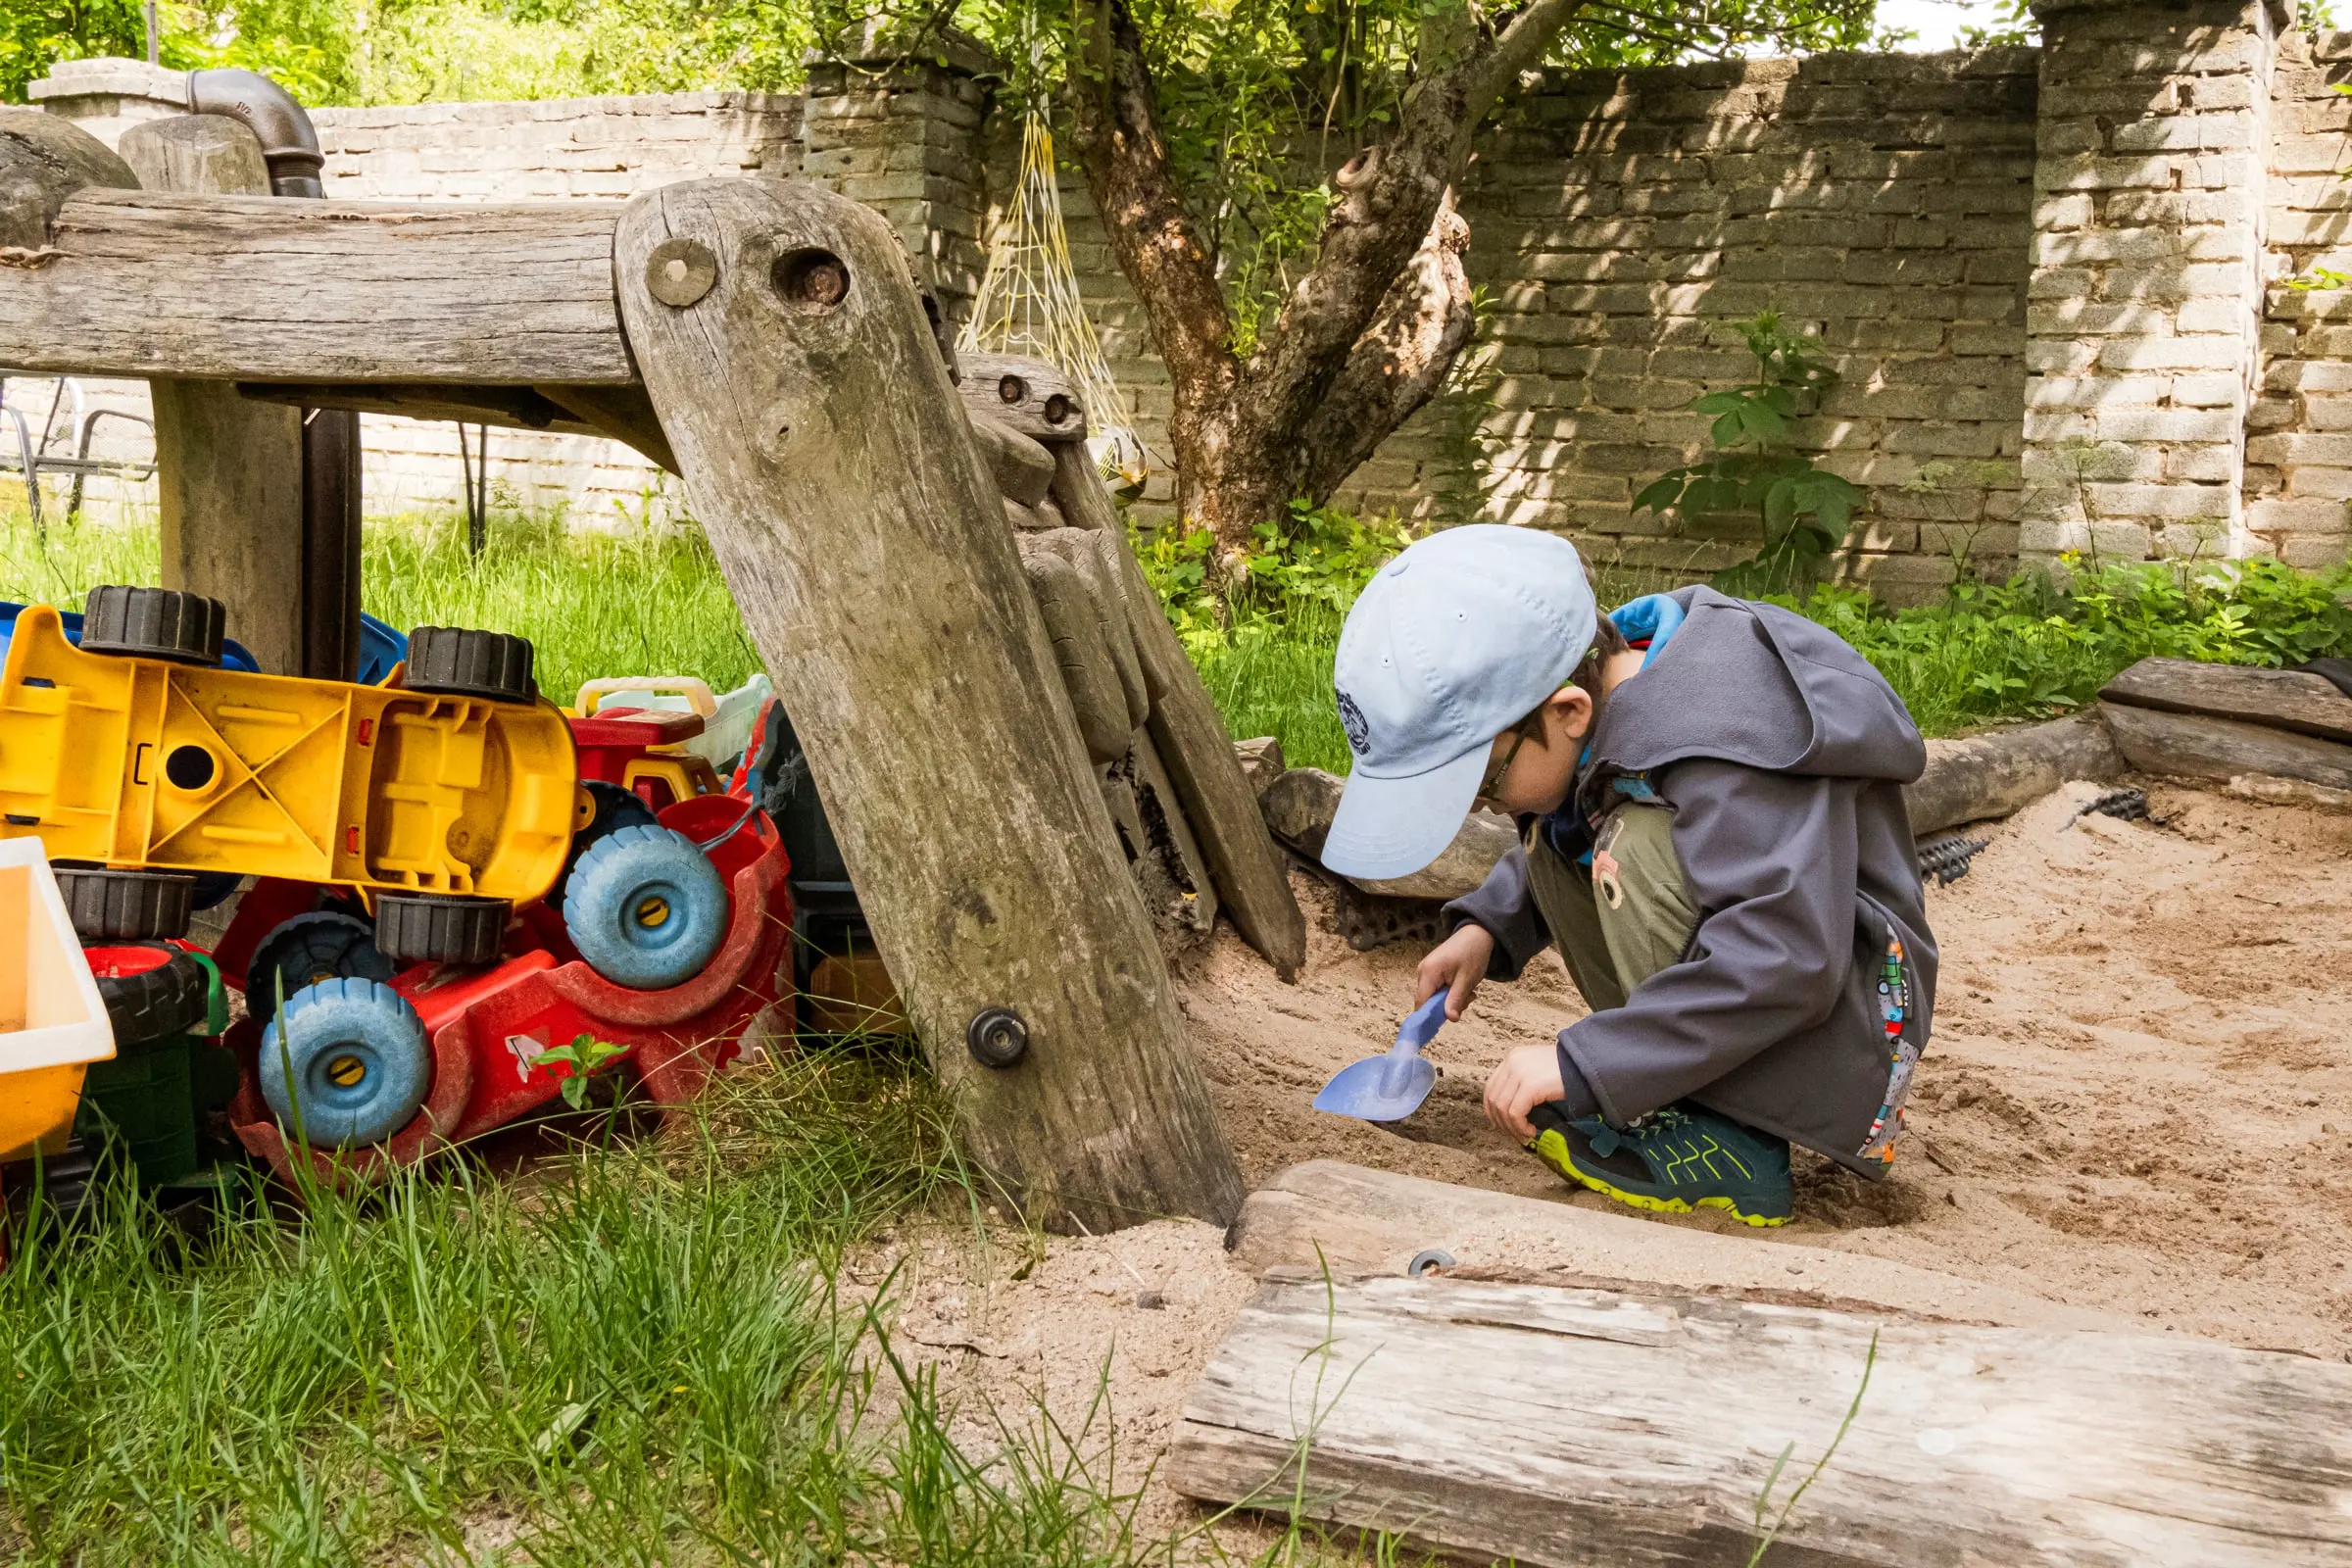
[2054, 281]
[2298, 473]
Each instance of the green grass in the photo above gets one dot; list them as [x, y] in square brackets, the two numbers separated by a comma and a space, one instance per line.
[592, 603]
[631, 1354]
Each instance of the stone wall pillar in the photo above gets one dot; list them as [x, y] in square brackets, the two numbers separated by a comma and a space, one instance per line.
[2145, 303]
[899, 128]
[108, 96]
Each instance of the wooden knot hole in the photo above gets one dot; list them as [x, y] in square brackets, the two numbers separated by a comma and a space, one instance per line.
[1012, 389]
[680, 271]
[1058, 409]
[811, 280]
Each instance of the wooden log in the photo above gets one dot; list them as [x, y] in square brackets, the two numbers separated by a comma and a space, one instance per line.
[823, 450]
[1075, 634]
[1089, 554]
[1193, 741]
[1994, 774]
[1354, 1221]
[1572, 1427]
[253, 288]
[228, 470]
[44, 161]
[2195, 745]
[1161, 854]
[2282, 698]
[1028, 395]
[1022, 468]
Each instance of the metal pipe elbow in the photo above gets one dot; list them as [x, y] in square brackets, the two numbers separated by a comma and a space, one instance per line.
[289, 141]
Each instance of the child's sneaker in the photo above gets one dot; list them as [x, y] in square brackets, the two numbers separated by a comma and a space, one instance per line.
[1673, 1160]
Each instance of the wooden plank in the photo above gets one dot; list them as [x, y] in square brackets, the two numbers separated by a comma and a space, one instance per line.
[1353, 1221]
[2280, 699]
[228, 471]
[2195, 745]
[252, 288]
[1190, 734]
[1996, 773]
[1574, 1427]
[822, 448]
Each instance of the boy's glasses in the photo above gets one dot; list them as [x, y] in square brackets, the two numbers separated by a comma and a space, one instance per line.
[1494, 776]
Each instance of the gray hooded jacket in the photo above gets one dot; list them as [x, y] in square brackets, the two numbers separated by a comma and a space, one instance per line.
[1783, 754]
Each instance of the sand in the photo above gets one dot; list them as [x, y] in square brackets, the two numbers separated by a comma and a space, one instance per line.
[2137, 1098]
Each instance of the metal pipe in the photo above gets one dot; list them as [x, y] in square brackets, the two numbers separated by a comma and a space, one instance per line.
[289, 141]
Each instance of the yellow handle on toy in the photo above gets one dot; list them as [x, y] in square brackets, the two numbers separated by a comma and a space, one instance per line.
[695, 692]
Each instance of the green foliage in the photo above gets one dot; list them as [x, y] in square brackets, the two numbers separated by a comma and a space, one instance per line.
[1803, 509]
[2031, 648]
[641, 601]
[583, 1056]
[34, 34]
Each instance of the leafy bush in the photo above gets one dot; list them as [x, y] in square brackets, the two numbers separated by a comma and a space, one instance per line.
[2029, 648]
[1804, 510]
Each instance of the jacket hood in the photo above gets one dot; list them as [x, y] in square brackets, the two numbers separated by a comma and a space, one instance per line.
[1761, 686]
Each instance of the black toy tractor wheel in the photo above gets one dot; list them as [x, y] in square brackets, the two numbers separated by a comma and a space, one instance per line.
[110, 905]
[326, 945]
[457, 662]
[427, 928]
[615, 809]
[153, 623]
[150, 990]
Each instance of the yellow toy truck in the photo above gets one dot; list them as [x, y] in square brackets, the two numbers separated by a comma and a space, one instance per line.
[440, 798]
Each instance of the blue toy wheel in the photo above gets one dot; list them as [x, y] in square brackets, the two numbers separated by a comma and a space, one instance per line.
[354, 1053]
[646, 908]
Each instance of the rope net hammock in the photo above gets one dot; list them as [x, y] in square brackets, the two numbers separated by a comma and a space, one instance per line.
[1029, 303]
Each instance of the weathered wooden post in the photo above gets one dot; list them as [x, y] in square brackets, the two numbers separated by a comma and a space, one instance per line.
[822, 446]
[228, 470]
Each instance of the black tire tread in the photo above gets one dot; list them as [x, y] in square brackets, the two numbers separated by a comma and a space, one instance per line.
[460, 663]
[617, 808]
[159, 1001]
[427, 928]
[112, 906]
[345, 944]
[153, 623]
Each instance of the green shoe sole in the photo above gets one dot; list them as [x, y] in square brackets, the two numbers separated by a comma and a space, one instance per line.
[1553, 1149]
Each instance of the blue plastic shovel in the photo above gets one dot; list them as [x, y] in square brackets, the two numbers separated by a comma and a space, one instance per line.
[1390, 1087]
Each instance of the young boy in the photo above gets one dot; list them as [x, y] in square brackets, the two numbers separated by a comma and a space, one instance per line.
[1713, 834]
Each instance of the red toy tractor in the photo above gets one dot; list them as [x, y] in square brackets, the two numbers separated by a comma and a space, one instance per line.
[378, 1065]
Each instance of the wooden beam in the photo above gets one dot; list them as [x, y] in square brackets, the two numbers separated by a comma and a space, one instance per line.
[2278, 698]
[1355, 1221]
[252, 288]
[2005, 770]
[1572, 1427]
[823, 450]
[2195, 745]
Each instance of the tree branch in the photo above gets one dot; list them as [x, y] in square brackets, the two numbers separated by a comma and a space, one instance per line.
[1152, 233]
[1388, 195]
[1398, 365]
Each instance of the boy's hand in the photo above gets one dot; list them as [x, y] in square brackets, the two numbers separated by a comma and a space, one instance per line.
[1456, 965]
[1529, 1076]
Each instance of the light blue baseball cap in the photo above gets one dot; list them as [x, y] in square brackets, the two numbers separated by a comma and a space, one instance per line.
[1451, 644]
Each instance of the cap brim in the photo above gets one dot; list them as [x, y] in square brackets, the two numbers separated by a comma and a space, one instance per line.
[1391, 828]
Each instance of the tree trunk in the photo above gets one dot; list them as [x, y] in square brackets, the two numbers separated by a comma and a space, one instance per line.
[1367, 335]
